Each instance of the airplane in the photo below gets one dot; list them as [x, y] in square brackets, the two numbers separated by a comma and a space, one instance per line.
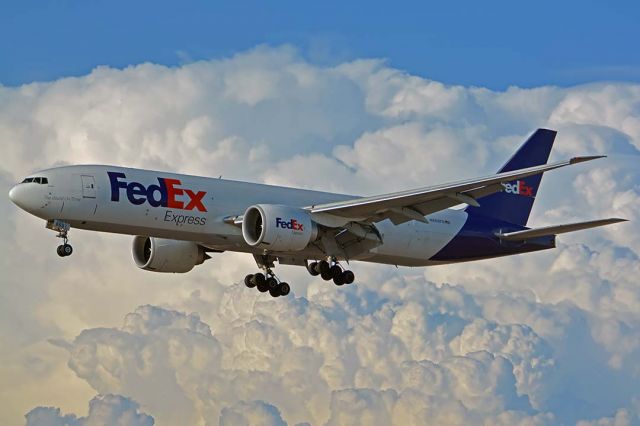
[178, 220]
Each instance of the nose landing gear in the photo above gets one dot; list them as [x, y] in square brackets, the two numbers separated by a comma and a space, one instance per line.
[62, 228]
[64, 250]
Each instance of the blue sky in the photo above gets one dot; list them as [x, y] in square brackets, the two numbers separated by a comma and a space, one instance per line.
[492, 44]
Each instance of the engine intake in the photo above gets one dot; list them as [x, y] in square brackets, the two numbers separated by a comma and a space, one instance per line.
[162, 255]
[278, 228]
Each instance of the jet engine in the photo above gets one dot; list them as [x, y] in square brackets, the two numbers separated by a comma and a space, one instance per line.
[162, 255]
[278, 228]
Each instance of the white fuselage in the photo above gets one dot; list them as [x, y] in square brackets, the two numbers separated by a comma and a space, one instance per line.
[196, 207]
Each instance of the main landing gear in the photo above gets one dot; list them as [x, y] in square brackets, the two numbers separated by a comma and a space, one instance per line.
[62, 228]
[268, 282]
[331, 270]
[328, 269]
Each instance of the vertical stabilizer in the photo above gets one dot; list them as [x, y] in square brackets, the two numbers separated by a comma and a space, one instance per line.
[515, 202]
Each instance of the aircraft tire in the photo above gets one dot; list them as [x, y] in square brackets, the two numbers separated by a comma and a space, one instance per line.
[326, 275]
[336, 271]
[272, 283]
[248, 281]
[274, 292]
[59, 251]
[348, 277]
[323, 267]
[338, 279]
[259, 278]
[313, 269]
[262, 288]
[284, 289]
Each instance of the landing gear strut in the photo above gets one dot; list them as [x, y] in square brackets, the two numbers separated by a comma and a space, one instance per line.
[331, 270]
[62, 228]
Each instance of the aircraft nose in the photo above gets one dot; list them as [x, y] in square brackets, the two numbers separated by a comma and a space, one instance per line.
[13, 194]
[21, 197]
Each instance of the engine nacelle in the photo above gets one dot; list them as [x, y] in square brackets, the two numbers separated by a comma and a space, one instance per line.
[162, 255]
[278, 228]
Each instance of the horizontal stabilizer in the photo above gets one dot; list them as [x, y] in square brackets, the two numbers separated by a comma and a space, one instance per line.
[528, 234]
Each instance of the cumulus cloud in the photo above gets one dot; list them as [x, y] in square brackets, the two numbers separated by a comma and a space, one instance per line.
[543, 338]
[103, 410]
[353, 378]
[251, 413]
[298, 360]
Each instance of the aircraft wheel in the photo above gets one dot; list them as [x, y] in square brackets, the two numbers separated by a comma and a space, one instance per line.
[348, 277]
[274, 292]
[248, 281]
[338, 279]
[64, 250]
[284, 289]
[313, 268]
[326, 275]
[336, 271]
[324, 268]
[259, 279]
[263, 288]
[272, 284]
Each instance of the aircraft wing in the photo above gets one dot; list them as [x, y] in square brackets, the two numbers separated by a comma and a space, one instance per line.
[528, 234]
[414, 204]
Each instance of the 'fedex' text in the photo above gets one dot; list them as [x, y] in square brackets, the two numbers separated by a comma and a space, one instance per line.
[290, 224]
[167, 193]
[518, 187]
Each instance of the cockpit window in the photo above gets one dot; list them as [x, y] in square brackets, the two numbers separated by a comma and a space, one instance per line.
[40, 180]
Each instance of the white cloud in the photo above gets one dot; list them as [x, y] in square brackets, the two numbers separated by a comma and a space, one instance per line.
[312, 359]
[621, 418]
[103, 410]
[204, 374]
[251, 413]
[544, 338]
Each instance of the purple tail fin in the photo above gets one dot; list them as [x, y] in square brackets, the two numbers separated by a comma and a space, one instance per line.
[514, 204]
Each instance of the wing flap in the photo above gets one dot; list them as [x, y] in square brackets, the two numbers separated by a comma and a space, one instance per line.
[528, 234]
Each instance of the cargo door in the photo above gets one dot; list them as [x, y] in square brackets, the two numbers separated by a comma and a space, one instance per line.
[88, 186]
